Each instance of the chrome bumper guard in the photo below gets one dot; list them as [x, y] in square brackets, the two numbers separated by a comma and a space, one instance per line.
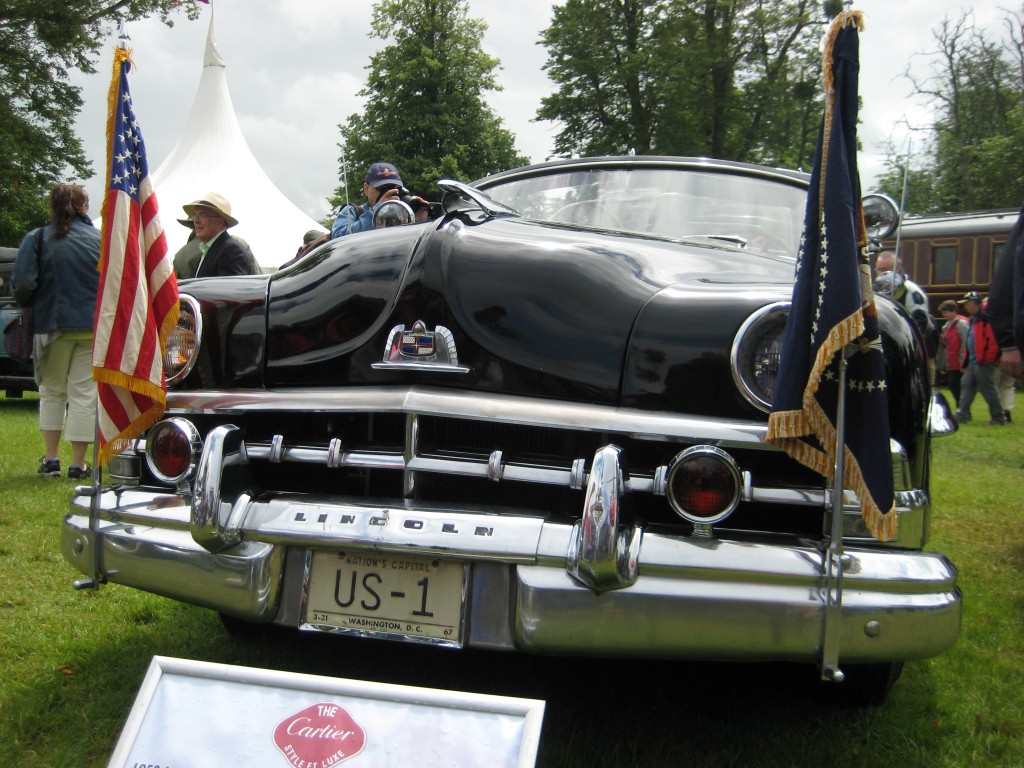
[599, 586]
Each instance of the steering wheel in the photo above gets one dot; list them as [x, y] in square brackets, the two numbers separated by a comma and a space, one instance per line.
[591, 213]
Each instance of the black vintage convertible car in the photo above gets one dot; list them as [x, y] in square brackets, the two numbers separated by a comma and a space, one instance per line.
[534, 423]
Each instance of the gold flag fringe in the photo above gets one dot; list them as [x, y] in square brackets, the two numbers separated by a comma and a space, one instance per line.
[785, 428]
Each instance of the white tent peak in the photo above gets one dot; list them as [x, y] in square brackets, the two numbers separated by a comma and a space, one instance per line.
[211, 155]
[212, 58]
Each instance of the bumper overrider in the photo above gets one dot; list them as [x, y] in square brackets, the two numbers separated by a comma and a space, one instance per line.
[597, 586]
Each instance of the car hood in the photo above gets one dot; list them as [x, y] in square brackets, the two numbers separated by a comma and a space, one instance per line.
[529, 307]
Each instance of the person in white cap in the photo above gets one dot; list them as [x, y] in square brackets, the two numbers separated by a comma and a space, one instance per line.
[220, 253]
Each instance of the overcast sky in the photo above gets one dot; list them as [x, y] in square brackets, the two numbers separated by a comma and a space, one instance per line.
[294, 70]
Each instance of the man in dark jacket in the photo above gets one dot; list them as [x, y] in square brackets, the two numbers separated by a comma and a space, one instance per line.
[1006, 302]
[220, 254]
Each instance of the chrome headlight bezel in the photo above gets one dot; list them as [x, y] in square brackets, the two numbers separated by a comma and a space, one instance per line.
[182, 349]
[763, 326]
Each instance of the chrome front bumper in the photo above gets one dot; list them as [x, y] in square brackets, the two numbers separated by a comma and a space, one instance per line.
[681, 597]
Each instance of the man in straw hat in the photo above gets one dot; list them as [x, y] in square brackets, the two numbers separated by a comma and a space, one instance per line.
[220, 253]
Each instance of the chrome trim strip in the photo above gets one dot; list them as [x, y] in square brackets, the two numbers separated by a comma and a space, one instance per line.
[505, 409]
[331, 522]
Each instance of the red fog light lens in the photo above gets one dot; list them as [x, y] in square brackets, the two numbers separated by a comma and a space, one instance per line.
[703, 484]
[170, 449]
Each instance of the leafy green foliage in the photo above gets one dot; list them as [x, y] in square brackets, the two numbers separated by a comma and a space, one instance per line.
[41, 41]
[736, 80]
[425, 110]
[973, 160]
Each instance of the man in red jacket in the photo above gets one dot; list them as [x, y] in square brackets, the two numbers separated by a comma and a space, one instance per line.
[982, 357]
[954, 344]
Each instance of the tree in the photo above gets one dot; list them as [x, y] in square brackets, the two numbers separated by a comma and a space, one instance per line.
[976, 85]
[40, 42]
[425, 110]
[737, 79]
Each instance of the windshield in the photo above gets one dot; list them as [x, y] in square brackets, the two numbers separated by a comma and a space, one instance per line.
[679, 203]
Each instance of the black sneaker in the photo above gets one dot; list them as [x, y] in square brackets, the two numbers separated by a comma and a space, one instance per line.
[49, 467]
[79, 473]
[1006, 415]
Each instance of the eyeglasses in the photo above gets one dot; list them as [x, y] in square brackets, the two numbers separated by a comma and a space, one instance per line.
[200, 216]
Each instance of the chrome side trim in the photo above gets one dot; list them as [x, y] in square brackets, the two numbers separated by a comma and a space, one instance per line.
[604, 550]
[505, 409]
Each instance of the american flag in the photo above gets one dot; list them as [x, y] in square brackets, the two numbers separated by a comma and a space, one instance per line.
[137, 304]
[833, 311]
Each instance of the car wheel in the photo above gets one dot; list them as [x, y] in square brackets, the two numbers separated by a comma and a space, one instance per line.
[244, 630]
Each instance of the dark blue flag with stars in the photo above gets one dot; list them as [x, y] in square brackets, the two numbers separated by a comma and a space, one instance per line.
[833, 311]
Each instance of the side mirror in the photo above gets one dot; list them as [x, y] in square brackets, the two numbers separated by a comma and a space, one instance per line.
[881, 216]
[393, 213]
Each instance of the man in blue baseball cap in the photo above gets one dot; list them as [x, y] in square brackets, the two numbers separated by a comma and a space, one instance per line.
[381, 183]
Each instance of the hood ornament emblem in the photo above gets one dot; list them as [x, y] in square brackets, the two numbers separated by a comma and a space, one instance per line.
[418, 349]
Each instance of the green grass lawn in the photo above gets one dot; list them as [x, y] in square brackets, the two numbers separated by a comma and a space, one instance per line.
[72, 661]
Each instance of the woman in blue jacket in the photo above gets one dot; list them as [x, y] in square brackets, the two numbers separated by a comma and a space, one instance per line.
[56, 274]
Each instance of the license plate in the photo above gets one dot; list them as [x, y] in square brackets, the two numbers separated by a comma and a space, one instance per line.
[419, 599]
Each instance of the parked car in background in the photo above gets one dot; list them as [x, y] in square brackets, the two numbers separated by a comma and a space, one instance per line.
[15, 377]
[534, 423]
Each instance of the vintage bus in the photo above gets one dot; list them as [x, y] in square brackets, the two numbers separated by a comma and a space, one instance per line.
[949, 254]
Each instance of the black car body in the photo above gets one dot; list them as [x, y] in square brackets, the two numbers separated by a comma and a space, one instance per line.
[496, 430]
[15, 376]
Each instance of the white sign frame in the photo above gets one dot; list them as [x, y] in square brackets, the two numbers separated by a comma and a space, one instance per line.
[236, 707]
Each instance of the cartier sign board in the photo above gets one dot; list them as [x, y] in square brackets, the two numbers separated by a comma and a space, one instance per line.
[193, 713]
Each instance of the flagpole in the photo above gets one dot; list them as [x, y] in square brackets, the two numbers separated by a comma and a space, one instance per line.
[835, 559]
[94, 578]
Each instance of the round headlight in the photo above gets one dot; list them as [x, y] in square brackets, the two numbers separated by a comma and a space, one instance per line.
[756, 352]
[171, 449]
[393, 213]
[183, 343]
[703, 484]
[881, 216]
